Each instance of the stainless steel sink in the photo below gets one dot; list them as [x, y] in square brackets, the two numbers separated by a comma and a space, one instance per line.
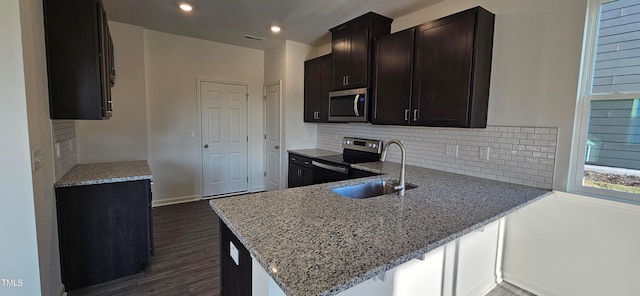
[370, 189]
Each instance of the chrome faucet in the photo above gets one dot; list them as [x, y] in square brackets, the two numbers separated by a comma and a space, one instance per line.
[401, 186]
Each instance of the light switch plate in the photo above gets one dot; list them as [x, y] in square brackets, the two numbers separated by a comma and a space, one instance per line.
[233, 252]
[36, 159]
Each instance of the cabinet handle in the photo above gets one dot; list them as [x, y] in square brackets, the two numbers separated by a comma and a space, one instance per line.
[406, 114]
[415, 114]
[316, 115]
[348, 78]
[293, 159]
[355, 106]
[344, 80]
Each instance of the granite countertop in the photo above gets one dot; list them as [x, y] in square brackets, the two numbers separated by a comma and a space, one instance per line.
[313, 153]
[107, 172]
[312, 241]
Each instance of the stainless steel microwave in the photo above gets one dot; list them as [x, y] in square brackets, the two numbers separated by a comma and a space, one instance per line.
[348, 105]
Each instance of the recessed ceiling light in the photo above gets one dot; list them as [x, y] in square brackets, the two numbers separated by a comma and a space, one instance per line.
[186, 7]
[275, 29]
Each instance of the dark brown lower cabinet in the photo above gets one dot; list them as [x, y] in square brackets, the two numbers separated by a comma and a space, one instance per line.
[105, 231]
[235, 277]
[300, 171]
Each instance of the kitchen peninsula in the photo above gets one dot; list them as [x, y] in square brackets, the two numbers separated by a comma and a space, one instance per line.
[312, 241]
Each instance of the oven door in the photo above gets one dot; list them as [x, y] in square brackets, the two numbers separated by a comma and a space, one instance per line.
[348, 105]
[324, 172]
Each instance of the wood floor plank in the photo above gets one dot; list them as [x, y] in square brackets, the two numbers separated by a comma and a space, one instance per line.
[508, 289]
[186, 260]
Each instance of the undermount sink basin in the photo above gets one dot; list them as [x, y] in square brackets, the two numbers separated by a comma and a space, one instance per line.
[370, 189]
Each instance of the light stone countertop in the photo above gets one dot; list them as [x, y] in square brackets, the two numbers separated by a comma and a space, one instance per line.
[107, 172]
[313, 152]
[320, 243]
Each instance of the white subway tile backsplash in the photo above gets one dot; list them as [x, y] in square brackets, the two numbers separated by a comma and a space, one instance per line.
[520, 155]
[64, 140]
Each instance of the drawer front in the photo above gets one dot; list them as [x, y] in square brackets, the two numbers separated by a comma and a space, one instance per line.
[300, 160]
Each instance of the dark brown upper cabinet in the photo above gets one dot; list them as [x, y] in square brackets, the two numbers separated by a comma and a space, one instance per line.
[79, 59]
[317, 84]
[393, 72]
[351, 49]
[449, 84]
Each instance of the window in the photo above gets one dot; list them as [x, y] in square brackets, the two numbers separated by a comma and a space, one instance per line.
[606, 156]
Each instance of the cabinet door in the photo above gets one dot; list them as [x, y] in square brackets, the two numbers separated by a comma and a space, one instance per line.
[340, 52]
[453, 69]
[358, 58]
[299, 176]
[105, 63]
[307, 176]
[317, 84]
[235, 265]
[296, 178]
[443, 72]
[393, 69]
[73, 63]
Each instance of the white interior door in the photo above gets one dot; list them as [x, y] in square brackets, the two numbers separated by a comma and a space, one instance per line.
[272, 137]
[224, 138]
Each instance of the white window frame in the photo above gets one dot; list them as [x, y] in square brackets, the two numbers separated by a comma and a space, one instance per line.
[581, 124]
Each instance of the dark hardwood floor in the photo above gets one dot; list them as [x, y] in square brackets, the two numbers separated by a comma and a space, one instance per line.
[186, 260]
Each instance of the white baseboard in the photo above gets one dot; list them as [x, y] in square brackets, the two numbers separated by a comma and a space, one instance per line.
[527, 285]
[175, 200]
[61, 291]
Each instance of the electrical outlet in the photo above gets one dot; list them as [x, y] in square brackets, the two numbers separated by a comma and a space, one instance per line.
[57, 148]
[484, 153]
[452, 150]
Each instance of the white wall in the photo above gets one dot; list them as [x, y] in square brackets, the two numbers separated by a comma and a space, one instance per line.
[274, 63]
[124, 136]
[172, 65]
[298, 133]
[40, 137]
[568, 244]
[20, 259]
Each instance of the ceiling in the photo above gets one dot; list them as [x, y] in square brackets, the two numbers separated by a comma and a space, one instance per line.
[227, 21]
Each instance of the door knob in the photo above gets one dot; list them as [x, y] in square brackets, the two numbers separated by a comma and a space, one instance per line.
[276, 147]
[206, 145]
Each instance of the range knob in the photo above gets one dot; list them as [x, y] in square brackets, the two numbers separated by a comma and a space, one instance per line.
[347, 142]
[373, 145]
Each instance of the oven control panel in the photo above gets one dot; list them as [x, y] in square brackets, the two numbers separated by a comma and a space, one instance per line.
[366, 145]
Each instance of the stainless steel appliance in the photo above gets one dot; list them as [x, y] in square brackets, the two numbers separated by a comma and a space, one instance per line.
[349, 105]
[338, 167]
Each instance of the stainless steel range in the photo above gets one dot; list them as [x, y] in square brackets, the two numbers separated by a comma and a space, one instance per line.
[338, 167]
